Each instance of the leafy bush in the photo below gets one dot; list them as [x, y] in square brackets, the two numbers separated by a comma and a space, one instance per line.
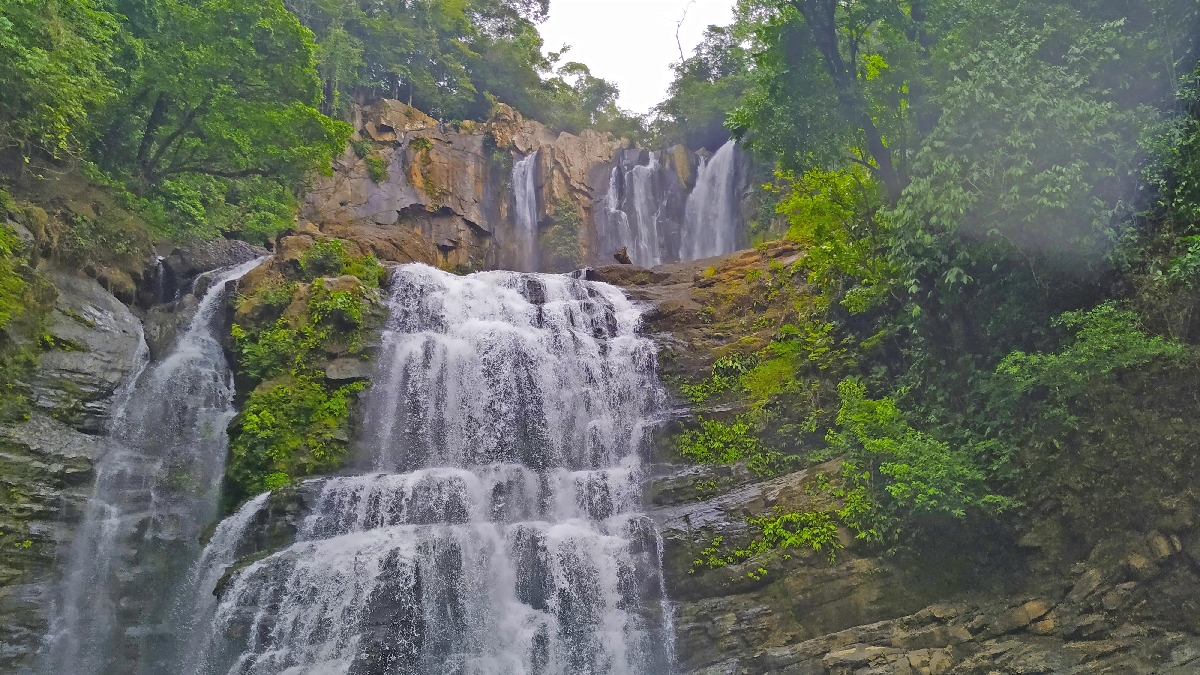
[1103, 430]
[293, 423]
[289, 428]
[716, 442]
[330, 258]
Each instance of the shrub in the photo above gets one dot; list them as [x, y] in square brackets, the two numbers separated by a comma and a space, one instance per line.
[377, 168]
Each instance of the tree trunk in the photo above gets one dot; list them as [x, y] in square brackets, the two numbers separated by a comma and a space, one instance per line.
[821, 18]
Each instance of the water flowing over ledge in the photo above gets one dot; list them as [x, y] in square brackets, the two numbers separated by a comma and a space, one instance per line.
[497, 527]
[153, 494]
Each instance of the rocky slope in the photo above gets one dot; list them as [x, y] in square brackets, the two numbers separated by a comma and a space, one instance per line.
[89, 344]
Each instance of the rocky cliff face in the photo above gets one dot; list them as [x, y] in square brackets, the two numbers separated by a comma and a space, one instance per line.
[973, 602]
[46, 463]
[413, 189]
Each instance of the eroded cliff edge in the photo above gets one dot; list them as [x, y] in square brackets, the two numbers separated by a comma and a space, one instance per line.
[414, 189]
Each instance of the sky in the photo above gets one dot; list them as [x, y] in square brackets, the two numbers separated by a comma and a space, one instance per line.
[631, 42]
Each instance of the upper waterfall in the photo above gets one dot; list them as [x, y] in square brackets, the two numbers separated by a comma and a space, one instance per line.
[498, 532]
[524, 183]
[633, 206]
[712, 222]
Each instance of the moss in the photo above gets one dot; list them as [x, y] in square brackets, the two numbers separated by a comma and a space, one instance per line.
[25, 303]
[334, 258]
[361, 148]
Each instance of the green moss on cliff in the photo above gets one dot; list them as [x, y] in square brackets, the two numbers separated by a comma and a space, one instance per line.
[25, 301]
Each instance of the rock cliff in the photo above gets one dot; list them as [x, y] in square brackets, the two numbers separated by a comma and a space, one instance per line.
[413, 189]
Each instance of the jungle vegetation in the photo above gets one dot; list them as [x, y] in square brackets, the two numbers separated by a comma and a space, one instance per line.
[998, 207]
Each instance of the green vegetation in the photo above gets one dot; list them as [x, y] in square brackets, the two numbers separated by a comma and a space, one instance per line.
[25, 302]
[377, 168]
[993, 317]
[333, 258]
[455, 59]
[293, 423]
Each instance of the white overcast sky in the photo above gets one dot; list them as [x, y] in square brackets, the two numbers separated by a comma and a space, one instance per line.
[631, 42]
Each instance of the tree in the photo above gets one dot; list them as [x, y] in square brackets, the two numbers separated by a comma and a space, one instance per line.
[706, 88]
[838, 82]
[218, 120]
[54, 63]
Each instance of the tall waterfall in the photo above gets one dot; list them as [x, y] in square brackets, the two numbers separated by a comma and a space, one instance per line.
[712, 223]
[497, 532]
[524, 183]
[632, 204]
[152, 496]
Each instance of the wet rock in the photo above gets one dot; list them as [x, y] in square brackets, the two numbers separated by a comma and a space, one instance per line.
[1020, 617]
[186, 263]
[97, 343]
[46, 470]
[347, 370]
[164, 323]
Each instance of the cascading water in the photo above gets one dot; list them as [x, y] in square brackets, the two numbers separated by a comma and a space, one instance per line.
[712, 223]
[636, 215]
[498, 532]
[524, 183]
[152, 496]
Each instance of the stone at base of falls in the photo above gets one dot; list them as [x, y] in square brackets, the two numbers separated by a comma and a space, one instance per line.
[46, 471]
[346, 370]
[96, 347]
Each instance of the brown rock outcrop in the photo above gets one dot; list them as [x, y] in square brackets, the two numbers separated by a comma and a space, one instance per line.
[422, 191]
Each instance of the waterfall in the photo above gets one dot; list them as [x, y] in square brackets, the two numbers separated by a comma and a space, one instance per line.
[197, 602]
[712, 220]
[152, 495]
[524, 183]
[639, 233]
[497, 530]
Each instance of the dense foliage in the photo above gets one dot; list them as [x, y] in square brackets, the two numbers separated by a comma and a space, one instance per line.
[294, 421]
[997, 203]
[453, 59]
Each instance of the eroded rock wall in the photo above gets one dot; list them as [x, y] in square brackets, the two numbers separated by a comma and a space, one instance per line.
[47, 463]
[443, 195]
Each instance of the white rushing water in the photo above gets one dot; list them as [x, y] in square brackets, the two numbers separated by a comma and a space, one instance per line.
[634, 207]
[497, 532]
[712, 223]
[153, 493]
[524, 182]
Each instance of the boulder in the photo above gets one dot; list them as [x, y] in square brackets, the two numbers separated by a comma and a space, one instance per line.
[186, 263]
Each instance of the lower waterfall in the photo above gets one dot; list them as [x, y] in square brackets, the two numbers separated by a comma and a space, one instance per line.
[496, 527]
[712, 221]
[153, 494]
